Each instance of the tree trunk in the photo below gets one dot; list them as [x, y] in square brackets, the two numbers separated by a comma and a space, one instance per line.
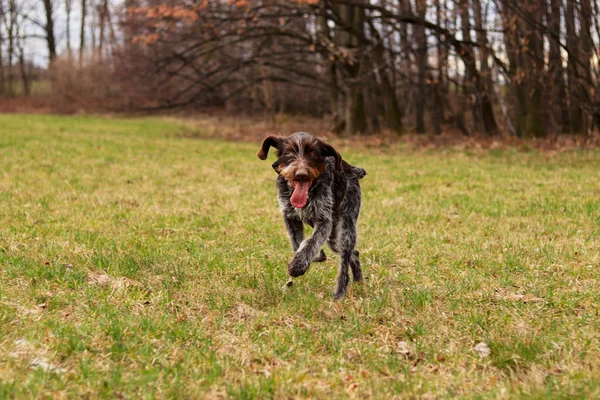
[330, 70]
[596, 98]
[355, 114]
[442, 62]
[482, 49]
[68, 4]
[557, 114]
[536, 124]
[392, 112]
[102, 12]
[24, 77]
[436, 109]
[336, 69]
[587, 53]
[469, 89]
[421, 53]
[406, 55]
[573, 82]
[49, 28]
[483, 113]
[82, 32]
[111, 28]
[486, 85]
[93, 33]
[516, 72]
[2, 82]
[12, 15]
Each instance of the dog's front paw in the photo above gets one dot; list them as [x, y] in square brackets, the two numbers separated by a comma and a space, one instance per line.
[298, 266]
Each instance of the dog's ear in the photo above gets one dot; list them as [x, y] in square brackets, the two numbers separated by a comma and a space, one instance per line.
[329, 151]
[266, 144]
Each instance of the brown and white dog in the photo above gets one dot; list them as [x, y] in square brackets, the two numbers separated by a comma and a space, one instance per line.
[317, 187]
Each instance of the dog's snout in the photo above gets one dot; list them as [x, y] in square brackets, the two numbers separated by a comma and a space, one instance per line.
[301, 174]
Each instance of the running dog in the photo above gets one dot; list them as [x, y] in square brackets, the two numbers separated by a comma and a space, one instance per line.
[317, 187]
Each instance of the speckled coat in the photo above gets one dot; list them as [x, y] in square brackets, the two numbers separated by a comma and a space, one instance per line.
[333, 207]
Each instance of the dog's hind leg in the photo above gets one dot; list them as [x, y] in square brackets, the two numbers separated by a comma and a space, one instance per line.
[334, 238]
[355, 267]
[348, 241]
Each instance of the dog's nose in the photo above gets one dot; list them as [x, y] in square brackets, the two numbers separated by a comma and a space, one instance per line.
[301, 174]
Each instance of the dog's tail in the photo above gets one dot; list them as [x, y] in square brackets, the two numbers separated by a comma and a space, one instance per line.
[359, 172]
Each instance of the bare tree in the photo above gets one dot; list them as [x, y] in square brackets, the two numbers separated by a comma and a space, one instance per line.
[68, 7]
[11, 24]
[557, 114]
[2, 19]
[82, 31]
[102, 12]
[22, 68]
[522, 67]
[573, 70]
[421, 57]
[49, 28]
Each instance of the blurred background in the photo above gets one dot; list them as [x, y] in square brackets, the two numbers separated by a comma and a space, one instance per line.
[526, 68]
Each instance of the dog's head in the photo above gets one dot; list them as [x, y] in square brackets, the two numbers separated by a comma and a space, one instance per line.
[300, 159]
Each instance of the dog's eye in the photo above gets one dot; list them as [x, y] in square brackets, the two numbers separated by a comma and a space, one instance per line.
[285, 159]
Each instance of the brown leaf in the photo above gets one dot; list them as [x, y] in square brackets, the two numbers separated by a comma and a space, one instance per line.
[483, 349]
[403, 348]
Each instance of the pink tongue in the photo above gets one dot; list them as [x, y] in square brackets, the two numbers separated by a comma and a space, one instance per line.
[300, 195]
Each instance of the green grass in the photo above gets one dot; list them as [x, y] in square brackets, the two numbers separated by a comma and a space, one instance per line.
[139, 263]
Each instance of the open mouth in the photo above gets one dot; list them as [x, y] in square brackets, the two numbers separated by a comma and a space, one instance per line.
[300, 194]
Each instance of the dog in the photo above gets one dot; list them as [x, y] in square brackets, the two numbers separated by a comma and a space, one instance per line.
[317, 187]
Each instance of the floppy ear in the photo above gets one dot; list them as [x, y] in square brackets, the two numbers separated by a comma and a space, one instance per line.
[331, 152]
[266, 144]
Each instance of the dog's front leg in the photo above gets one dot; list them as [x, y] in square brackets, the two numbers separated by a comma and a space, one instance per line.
[295, 231]
[309, 248]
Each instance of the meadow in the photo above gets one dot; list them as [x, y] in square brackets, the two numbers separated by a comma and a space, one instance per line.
[143, 258]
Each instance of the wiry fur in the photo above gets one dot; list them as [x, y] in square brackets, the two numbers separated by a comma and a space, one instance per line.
[333, 206]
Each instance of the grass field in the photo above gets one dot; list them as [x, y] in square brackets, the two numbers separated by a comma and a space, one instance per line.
[138, 263]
